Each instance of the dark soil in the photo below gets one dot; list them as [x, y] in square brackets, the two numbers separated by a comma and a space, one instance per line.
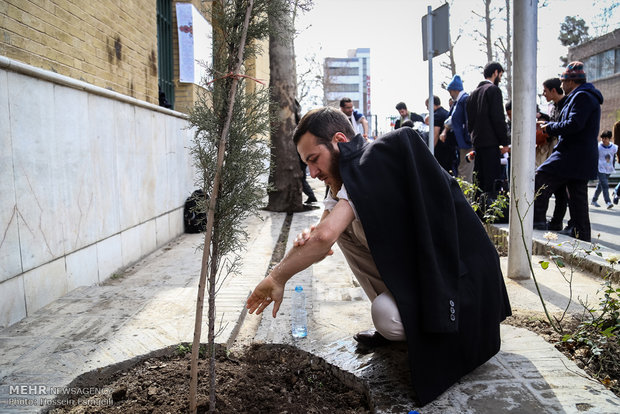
[261, 379]
[601, 361]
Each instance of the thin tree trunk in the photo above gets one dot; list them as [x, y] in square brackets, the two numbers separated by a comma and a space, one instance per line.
[508, 53]
[193, 391]
[285, 174]
[488, 25]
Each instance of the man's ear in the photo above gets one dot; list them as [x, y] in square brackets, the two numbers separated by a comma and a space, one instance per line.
[339, 137]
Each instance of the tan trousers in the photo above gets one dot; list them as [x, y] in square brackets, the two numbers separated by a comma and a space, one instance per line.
[466, 169]
[385, 315]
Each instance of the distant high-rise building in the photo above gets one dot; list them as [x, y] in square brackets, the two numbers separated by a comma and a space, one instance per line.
[349, 77]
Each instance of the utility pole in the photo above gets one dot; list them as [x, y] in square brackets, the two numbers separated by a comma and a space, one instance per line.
[523, 140]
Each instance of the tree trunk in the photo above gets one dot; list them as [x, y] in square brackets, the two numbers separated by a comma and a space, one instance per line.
[285, 174]
[488, 21]
[508, 53]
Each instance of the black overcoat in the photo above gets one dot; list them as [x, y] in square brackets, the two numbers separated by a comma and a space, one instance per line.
[432, 253]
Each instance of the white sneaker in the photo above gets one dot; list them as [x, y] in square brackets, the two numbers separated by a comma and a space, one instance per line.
[610, 205]
[595, 204]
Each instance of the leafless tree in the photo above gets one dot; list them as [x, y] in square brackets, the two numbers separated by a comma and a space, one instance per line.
[487, 35]
[504, 44]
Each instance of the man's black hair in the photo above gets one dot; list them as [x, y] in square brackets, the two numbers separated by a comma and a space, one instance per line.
[490, 69]
[344, 101]
[323, 123]
[401, 105]
[554, 83]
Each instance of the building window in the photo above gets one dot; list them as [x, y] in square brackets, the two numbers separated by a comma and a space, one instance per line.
[343, 71]
[602, 65]
[607, 63]
[345, 87]
[164, 53]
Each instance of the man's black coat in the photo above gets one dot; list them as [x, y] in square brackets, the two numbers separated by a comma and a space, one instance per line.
[432, 253]
[486, 121]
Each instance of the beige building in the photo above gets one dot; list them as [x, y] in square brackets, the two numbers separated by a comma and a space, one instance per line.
[601, 59]
[94, 172]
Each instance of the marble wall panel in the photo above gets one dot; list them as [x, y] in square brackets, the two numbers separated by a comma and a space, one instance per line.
[162, 229]
[36, 169]
[148, 237]
[10, 258]
[147, 147]
[161, 168]
[130, 245]
[109, 256]
[44, 284]
[82, 267]
[182, 173]
[12, 301]
[128, 165]
[74, 160]
[176, 222]
[102, 143]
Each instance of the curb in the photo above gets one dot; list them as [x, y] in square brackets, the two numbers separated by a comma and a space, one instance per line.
[569, 248]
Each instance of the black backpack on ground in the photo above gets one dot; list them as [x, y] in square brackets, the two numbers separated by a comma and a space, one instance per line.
[194, 218]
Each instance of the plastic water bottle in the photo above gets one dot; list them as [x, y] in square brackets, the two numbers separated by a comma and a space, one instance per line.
[299, 327]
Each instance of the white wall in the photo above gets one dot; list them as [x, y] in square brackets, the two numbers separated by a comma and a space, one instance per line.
[90, 182]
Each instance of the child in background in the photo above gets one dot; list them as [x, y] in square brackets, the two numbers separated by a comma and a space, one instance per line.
[616, 135]
[606, 154]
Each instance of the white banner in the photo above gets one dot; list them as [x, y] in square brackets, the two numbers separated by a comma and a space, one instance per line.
[195, 43]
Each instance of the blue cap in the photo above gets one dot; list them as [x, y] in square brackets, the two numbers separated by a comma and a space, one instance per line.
[298, 288]
[455, 84]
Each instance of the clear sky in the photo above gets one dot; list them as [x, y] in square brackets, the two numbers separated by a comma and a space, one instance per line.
[392, 31]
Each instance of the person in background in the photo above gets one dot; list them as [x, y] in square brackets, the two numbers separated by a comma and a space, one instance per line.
[405, 115]
[445, 151]
[575, 158]
[305, 187]
[615, 138]
[355, 118]
[554, 94]
[487, 125]
[458, 125]
[606, 155]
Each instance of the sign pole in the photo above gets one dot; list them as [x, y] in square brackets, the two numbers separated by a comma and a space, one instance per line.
[429, 52]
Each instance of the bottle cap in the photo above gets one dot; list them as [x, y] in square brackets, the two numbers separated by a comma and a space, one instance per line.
[298, 288]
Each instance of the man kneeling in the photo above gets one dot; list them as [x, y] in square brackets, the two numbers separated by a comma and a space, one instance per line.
[412, 240]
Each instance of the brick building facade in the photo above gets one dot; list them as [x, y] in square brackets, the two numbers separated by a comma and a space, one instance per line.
[601, 59]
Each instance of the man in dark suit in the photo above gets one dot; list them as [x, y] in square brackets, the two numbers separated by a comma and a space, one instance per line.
[413, 242]
[486, 123]
[574, 160]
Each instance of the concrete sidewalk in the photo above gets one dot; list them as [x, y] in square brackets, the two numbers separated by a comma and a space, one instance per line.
[151, 306]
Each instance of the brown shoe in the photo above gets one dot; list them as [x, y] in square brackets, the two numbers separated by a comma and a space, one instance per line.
[371, 338]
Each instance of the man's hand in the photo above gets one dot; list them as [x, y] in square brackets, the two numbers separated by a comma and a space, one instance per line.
[542, 125]
[267, 291]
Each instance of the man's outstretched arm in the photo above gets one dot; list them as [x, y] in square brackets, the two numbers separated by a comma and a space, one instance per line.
[315, 246]
[365, 126]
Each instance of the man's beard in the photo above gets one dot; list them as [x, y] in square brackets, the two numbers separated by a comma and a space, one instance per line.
[496, 81]
[334, 170]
